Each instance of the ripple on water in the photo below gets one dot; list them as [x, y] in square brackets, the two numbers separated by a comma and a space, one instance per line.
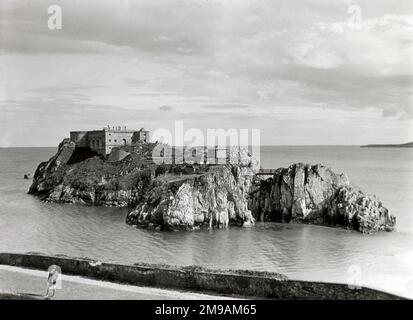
[299, 251]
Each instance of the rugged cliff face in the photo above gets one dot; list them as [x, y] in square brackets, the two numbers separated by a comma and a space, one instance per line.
[215, 198]
[315, 194]
[77, 175]
[173, 197]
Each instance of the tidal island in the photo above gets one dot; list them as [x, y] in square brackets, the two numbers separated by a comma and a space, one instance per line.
[213, 187]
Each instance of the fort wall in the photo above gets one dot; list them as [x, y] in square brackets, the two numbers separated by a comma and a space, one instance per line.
[80, 138]
[97, 141]
[103, 141]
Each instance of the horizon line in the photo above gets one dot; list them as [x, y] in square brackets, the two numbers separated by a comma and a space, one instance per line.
[264, 145]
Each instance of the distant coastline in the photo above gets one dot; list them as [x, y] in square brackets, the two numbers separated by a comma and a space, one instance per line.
[402, 145]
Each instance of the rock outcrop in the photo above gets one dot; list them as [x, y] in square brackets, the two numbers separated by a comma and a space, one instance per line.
[160, 196]
[78, 175]
[215, 198]
[317, 195]
[364, 213]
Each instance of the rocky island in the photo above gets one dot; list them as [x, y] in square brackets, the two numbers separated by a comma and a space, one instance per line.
[190, 196]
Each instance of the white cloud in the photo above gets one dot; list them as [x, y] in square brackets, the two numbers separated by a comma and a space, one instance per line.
[268, 55]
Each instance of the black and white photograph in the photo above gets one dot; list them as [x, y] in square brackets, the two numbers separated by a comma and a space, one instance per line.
[204, 155]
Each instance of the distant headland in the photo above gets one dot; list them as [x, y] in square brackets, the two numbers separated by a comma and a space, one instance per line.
[402, 145]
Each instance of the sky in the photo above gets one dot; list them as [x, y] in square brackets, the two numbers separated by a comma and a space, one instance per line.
[303, 72]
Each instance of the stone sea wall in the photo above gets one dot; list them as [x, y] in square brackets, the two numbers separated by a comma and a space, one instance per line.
[239, 283]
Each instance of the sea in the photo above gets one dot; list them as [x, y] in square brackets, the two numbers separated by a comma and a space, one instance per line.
[306, 252]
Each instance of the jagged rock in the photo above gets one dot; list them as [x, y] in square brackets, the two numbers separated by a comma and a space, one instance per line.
[315, 194]
[117, 154]
[216, 198]
[41, 180]
[78, 175]
[364, 213]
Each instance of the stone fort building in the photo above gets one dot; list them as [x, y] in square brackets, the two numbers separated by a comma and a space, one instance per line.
[103, 141]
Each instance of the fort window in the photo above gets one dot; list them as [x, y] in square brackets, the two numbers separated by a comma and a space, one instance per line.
[116, 140]
[124, 142]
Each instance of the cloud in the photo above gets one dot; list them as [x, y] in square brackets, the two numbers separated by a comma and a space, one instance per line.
[226, 106]
[151, 26]
[165, 108]
[213, 57]
[217, 74]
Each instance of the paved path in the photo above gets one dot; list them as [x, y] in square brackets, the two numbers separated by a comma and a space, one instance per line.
[33, 282]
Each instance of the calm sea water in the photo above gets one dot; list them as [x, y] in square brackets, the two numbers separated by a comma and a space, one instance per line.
[383, 261]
